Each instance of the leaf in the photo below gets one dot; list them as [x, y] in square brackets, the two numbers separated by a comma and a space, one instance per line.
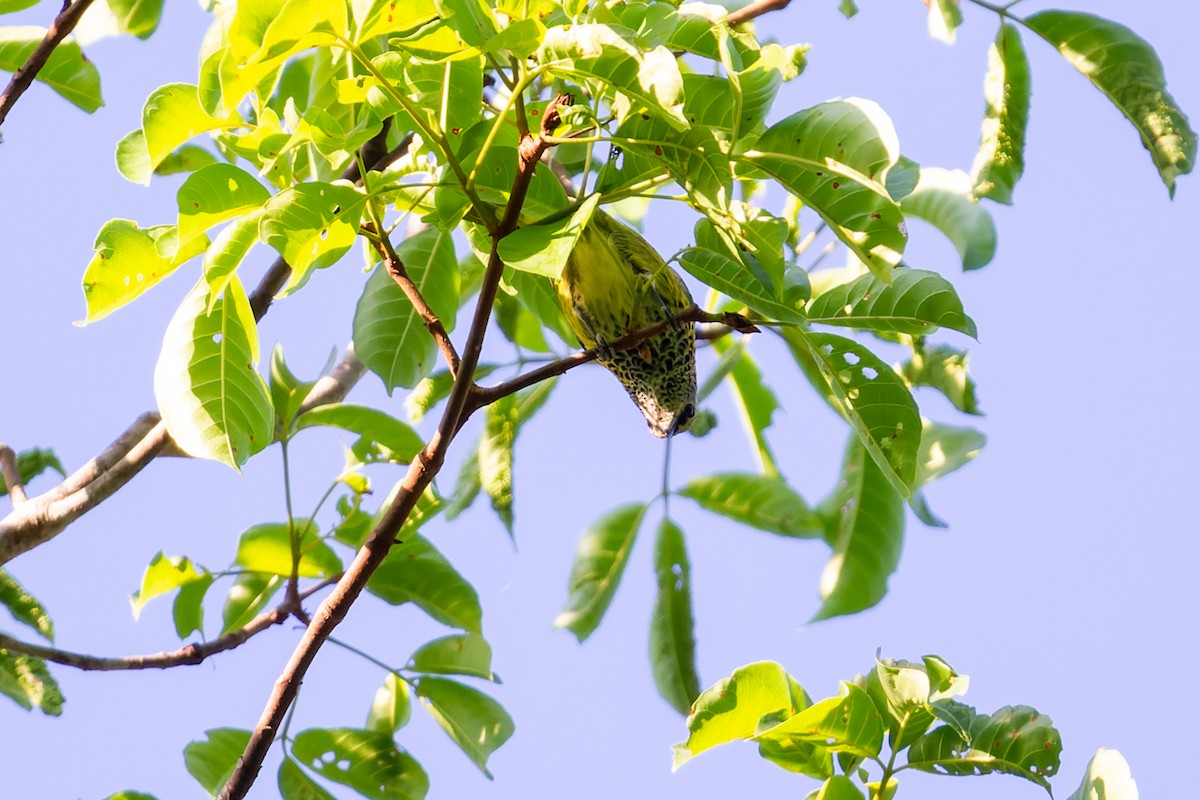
[311, 225]
[392, 707]
[415, 572]
[24, 607]
[835, 157]
[543, 249]
[172, 115]
[729, 276]
[138, 17]
[1001, 157]
[866, 518]
[1107, 778]
[902, 178]
[944, 449]
[133, 159]
[944, 199]
[267, 548]
[249, 595]
[67, 71]
[206, 381]
[33, 462]
[188, 608]
[128, 261]
[228, 251]
[27, 681]
[672, 634]
[869, 395]
[944, 369]
[1125, 67]
[475, 722]
[600, 560]
[130, 795]
[734, 707]
[294, 783]
[163, 574]
[211, 761]
[838, 787]
[185, 158]
[392, 439]
[9, 6]
[916, 302]
[367, 761]
[389, 336]
[214, 194]
[847, 723]
[944, 18]
[471, 19]
[458, 654]
[496, 456]
[765, 502]
[387, 16]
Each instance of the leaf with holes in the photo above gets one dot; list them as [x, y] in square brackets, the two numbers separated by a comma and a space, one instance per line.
[1001, 157]
[944, 199]
[835, 157]
[312, 225]
[916, 302]
[869, 395]
[672, 627]
[865, 527]
[67, 71]
[214, 194]
[474, 721]
[24, 607]
[600, 560]
[387, 16]
[1125, 67]
[367, 761]
[944, 449]
[765, 502]
[1016, 740]
[211, 761]
[389, 335]
[128, 261]
[415, 572]
[206, 381]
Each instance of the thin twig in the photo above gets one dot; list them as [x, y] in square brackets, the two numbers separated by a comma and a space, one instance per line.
[63, 24]
[12, 475]
[755, 10]
[185, 656]
[420, 474]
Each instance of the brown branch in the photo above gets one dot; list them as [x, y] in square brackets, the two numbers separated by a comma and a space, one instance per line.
[755, 10]
[12, 475]
[420, 473]
[184, 656]
[395, 267]
[62, 25]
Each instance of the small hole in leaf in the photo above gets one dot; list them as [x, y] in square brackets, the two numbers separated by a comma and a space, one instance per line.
[216, 338]
[851, 358]
[344, 764]
[869, 373]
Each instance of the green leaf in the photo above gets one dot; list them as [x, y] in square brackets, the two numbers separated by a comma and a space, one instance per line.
[471, 19]
[185, 158]
[267, 548]
[211, 761]
[249, 595]
[133, 159]
[734, 707]
[944, 18]
[392, 707]
[869, 395]
[1125, 67]
[214, 194]
[130, 795]
[415, 572]
[848, 723]
[228, 251]
[902, 178]
[1001, 157]
[600, 560]
[163, 574]
[367, 761]
[848, 8]
[944, 449]
[838, 787]
[916, 302]
[732, 277]
[386, 436]
[27, 681]
[467, 486]
[389, 335]
[1107, 778]
[188, 608]
[382, 17]
[294, 783]
[866, 518]
[311, 225]
[206, 381]
[835, 157]
[458, 654]
[33, 462]
[543, 249]
[1016, 740]
[672, 627]
[694, 158]
[944, 369]
[475, 722]
[67, 71]
[496, 456]
[9, 6]
[172, 115]
[129, 260]
[24, 607]
[944, 199]
[765, 502]
[138, 17]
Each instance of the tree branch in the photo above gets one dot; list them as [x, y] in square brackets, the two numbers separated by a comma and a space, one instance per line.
[62, 25]
[420, 473]
[12, 475]
[755, 10]
[184, 656]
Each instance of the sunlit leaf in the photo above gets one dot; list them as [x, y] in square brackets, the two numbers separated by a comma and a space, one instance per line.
[458, 654]
[1107, 778]
[163, 574]
[915, 302]
[944, 369]
[672, 634]
[367, 761]
[390, 438]
[24, 607]
[543, 249]
[249, 595]
[765, 502]
[67, 71]
[172, 115]
[415, 572]
[944, 18]
[312, 225]
[1016, 740]
[268, 548]
[211, 761]
[600, 560]
[473, 720]
[1001, 157]
[944, 199]
[138, 17]
[295, 784]
[392, 706]
[128, 261]
[27, 681]
[216, 193]
[848, 723]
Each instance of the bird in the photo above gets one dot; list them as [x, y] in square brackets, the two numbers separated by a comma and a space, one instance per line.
[615, 283]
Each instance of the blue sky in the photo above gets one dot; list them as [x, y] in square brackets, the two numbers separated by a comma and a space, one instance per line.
[1065, 582]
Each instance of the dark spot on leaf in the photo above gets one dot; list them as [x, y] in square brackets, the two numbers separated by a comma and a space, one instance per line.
[456, 131]
[535, 112]
[836, 185]
[645, 116]
[658, 151]
[877, 215]
[195, 205]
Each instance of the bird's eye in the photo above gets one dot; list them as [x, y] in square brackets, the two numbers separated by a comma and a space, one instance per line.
[688, 412]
